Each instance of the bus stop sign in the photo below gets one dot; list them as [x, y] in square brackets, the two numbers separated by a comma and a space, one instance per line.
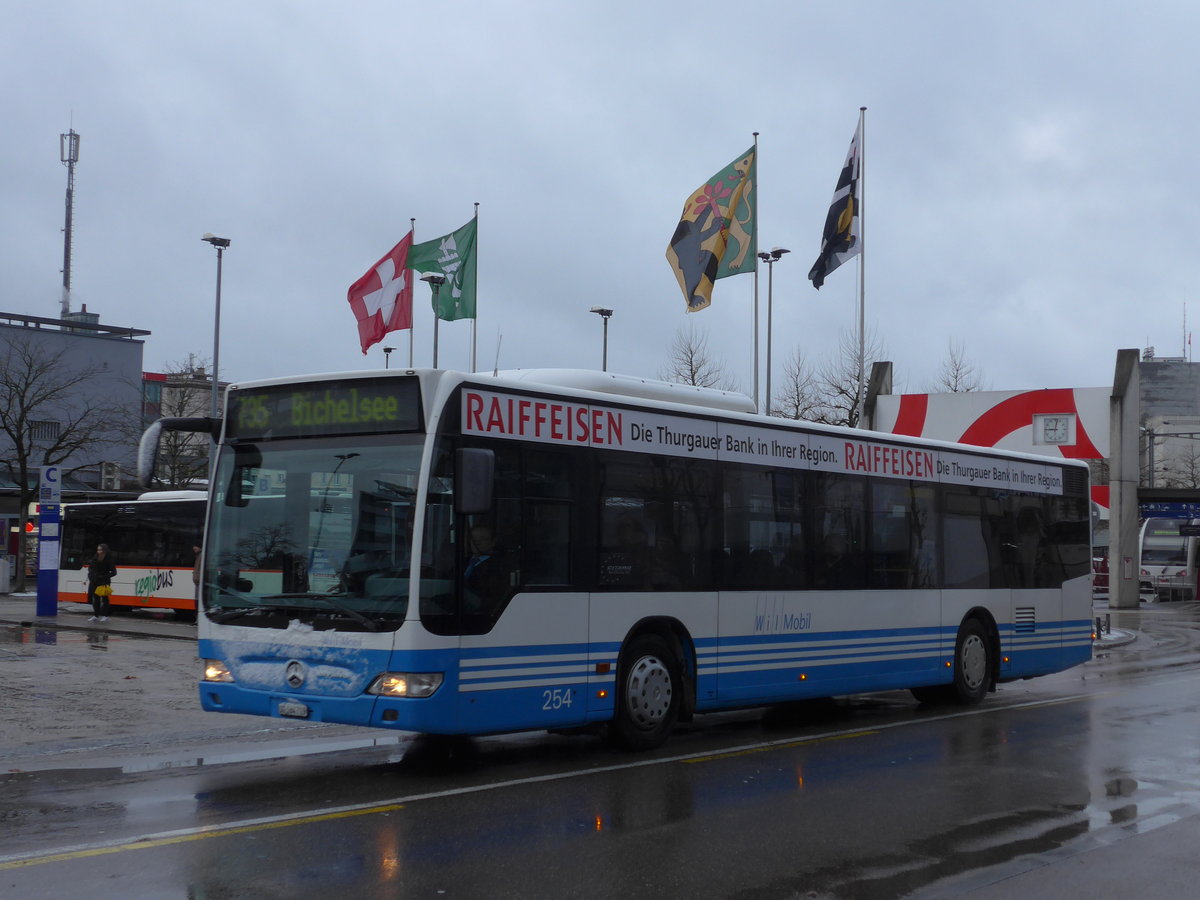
[49, 516]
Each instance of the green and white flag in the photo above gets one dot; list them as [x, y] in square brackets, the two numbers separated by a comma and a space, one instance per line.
[452, 255]
[715, 237]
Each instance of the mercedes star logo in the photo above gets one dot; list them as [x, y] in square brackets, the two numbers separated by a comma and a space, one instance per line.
[294, 674]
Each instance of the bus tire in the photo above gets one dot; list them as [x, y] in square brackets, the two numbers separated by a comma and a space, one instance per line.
[972, 663]
[649, 688]
[972, 669]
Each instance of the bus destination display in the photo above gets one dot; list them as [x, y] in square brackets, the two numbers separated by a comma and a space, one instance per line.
[370, 406]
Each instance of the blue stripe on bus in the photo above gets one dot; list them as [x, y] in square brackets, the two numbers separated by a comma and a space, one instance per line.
[516, 687]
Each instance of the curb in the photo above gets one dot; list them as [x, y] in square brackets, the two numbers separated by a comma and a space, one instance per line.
[1117, 637]
[95, 629]
[24, 615]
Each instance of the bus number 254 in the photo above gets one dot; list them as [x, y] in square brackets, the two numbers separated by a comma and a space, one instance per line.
[557, 698]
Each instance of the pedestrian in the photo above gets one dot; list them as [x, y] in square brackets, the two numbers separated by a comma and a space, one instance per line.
[100, 575]
[199, 561]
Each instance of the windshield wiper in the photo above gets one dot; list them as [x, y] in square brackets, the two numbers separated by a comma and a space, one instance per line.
[227, 613]
[350, 613]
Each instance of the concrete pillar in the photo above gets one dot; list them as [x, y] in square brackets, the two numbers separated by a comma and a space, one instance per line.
[1124, 554]
[879, 383]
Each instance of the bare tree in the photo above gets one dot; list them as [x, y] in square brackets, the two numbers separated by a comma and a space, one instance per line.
[957, 375]
[838, 379]
[1182, 468]
[183, 456]
[690, 362]
[49, 416]
[799, 397]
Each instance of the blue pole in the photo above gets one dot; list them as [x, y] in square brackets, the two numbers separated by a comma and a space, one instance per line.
[49, 517]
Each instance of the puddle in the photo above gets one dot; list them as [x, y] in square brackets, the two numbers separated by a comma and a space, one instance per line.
[18, 635]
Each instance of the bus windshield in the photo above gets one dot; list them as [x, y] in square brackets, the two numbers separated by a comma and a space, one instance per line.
[318, 530]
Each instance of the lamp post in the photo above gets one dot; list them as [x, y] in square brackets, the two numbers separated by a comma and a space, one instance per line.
[220, 243]
[604, 314]
[770, 259]
[1152, 435]
[436, 280]
[387, 357]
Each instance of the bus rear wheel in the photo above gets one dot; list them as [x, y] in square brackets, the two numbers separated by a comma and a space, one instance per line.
[648, 693]
[972, 663]
[972, 669]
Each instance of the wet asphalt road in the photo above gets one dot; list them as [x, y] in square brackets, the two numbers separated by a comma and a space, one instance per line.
[1085, 783]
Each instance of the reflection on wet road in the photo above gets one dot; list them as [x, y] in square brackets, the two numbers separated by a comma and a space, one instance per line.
[866, 797]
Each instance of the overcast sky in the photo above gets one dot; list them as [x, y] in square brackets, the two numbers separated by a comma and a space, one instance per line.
[1030, 174]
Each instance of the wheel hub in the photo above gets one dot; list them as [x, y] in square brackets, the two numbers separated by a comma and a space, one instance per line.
[973, 662]
[648, 692]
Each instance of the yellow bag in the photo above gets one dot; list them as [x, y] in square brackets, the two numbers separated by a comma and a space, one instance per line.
[103, 590]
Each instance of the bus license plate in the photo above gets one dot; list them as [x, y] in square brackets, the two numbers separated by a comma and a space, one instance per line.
[293, 709]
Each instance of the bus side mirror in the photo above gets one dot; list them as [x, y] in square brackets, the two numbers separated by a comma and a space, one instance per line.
[474, 476]
[147, 455]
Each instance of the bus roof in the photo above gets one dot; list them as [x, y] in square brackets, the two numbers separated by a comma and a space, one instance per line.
[633, 386]
[174, 495]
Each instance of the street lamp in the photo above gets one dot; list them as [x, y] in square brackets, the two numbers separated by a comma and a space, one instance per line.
[770, 259]
[605, 314]
[220, 243]
[1153, 434]
[435, 280]
[387, 357]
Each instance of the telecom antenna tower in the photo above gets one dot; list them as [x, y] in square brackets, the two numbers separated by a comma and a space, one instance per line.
[69, 154]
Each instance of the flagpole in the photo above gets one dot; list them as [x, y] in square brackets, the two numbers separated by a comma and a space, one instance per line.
[475, 281]
[412, 324]
[754, 241]
[862, 261]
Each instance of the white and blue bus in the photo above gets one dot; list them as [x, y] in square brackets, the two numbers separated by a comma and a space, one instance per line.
[461, 554]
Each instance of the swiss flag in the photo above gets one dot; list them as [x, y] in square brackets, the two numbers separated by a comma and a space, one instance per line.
[382, 299]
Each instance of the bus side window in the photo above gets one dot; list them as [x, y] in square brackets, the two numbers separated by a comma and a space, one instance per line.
[1031, 544]
[965, 547]
[622, 548]
[903, 535]
[840, 510]
[547, 558]
[549, 486]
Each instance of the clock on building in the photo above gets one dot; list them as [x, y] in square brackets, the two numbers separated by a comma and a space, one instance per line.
[1053, 429]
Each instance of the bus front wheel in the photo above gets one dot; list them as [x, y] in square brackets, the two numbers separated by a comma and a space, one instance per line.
[648, 693]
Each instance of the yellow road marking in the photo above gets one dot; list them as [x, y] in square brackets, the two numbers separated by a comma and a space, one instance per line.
[151, 843]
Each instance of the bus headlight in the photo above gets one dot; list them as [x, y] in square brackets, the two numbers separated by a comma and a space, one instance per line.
[406, 684]
[215, 670]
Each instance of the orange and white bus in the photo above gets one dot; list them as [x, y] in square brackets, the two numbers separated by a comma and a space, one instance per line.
[151, 540]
